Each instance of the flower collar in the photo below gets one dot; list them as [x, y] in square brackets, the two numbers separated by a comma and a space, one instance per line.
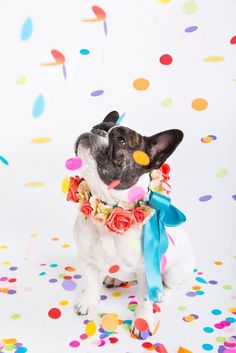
[124, 215]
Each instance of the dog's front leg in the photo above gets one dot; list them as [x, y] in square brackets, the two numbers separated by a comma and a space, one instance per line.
[145, 306]
[89, 296]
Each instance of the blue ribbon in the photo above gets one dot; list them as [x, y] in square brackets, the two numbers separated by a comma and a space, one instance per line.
[155, 240]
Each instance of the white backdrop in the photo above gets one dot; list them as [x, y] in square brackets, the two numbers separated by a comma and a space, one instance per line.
[193, 91]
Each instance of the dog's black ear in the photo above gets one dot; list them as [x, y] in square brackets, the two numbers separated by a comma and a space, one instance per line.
[112, 117]
[162, 145]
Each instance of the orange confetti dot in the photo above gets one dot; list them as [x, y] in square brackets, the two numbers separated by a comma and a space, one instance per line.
[196, 287]
[183, 350]
[218, 263]
[141, 158]
[199, 104]
[141, 324]
[109, 322]
[141, 84]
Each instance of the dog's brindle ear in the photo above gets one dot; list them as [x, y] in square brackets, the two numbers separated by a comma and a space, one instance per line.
[112, 117]
[162, 145]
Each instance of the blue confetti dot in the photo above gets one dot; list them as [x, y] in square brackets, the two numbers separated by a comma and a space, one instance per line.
[42, 273]
[3, 160]
[201, 280]
[230, 319]
[84, 51]
[21, 350]
[38, 107]
[208, 329]
[200, 292]
[27, 29]
[216, 312]
[53, 265]
[207, 347]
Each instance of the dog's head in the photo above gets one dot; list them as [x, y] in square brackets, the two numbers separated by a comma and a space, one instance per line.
[109, 148]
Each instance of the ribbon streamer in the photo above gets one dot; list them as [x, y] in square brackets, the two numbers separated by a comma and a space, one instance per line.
[155, 240]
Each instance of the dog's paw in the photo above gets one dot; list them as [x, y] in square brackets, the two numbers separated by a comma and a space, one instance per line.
[83, 305]
[111, 282]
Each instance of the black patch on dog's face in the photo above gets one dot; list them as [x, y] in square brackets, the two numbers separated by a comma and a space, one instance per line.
[115, 158]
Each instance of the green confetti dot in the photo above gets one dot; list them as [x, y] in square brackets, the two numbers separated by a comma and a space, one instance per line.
[21, 80]
[61, 275]
[9, 347]
[222, 173]
[190, 7]
[166, 102]
[227, 286]
[15, 316]
[220, 339]
[182, 308]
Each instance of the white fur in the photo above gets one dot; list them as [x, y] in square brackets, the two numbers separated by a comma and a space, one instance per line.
[99, 249]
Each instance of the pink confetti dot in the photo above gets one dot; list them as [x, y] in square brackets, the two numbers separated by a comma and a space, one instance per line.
[136, 193]
[74, 344]
[73, 163]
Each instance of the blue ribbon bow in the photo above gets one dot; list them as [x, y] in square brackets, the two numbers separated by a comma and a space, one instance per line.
[155, 240]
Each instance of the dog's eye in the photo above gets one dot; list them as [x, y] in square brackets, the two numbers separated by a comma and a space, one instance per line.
[121, 140]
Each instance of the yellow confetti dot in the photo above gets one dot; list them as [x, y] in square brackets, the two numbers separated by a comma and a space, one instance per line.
[116, 294]
[196, 287]
[34, 235]
[64, 302]
[189, 318]
[9, 340]
[232, 310]
[164, 1]
[65, 185]
[199, 104]
[3, 246]
[65, 246]
[90, 328]
[109, 322]
[213, 59]
[207, 139]
[156, 327]
[34, 184]
[141, 84]
[218, 263]
[141, 158]
[6, 263]
[41, 140]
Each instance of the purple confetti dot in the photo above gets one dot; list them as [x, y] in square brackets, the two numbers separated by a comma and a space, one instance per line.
[103, 297]
[53, 280]
[86, 322]
[11, 291]
[221, 349]
[195, 316]
[103, 336]
[77, 276]
[97, 93]
[205, 198]
[144, 334]
[213, 137]
[69, 285]
[13, 268]
[101, 330]
[191, 29]
[191, 294]
[212, 281]
[234, 197]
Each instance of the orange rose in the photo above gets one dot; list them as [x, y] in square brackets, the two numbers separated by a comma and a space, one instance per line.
[73, 189]
[139, 214]
[86, 209]
[120, 220]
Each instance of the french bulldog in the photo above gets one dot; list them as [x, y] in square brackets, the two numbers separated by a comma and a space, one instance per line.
[107, 155]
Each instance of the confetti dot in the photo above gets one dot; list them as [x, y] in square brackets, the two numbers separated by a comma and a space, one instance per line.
[69, 285]
[141, 84]
[38, 107]
[207, 347]
[103, 297]
[21, 80]
[205, 198]
[13, 268]
[208, 139]
[136, 193]
[3, 246]
[84, 51]
[54, 313]
[3, 160]
[73, 163]
[41, 140]
[218, 263]
[65, 187]
[114, 268]
[116, 294]
[113, 184]
[63, 302]
[213, 59]
[166, 102]
[234, 197]
[233, 40]
[164, 1]
[15, 316]
[141, 158]
[213, 282]
[26, 29]
[232, 310]
[199, 104]
[109, 322]
[34, 184]
[90, 329]
[183, 350]
[216, 312]
[74, 344]
[65, 246]
[190, 7]
[97, 93]
[191, 29]
[21, 350]
[182, 308]
[141, 324]
[166, 59]
[208, 329]
[148, 345]
[222, 173]
[227, 287]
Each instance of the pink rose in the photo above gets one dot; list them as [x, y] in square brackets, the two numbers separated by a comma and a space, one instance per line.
[139, 214]
[86, 209]
[120, 220]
